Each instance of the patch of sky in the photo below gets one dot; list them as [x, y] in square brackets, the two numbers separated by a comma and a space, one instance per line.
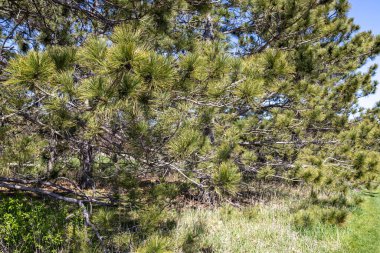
[366, 14]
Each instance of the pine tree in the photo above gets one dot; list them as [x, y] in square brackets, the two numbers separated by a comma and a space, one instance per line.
[220, 94]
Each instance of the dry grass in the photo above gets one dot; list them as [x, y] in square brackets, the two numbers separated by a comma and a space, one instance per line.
[265, 228]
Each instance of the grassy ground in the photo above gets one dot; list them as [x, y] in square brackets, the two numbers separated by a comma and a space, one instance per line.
[363, 228]
[266, 228]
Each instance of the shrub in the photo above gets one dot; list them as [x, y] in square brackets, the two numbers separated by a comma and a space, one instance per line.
[28, 225]
[155, 244]
[227, 178]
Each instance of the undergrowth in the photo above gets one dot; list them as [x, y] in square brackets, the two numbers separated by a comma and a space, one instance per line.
[296, 221]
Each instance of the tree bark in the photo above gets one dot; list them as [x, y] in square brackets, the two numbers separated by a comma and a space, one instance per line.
[52, 156]
[85, 178]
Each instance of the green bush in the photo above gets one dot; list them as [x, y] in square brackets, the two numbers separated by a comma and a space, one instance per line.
[227, 178]
[304, 219]
[155, 244]
[314, 215]
[27, 225]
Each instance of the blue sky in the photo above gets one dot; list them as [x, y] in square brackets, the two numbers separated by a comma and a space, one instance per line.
[366, 14]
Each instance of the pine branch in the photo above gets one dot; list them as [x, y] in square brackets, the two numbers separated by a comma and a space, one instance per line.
[91, 14]
[317, 142]
[23, 109]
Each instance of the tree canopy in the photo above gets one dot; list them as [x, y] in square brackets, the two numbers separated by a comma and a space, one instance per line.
[210, 95]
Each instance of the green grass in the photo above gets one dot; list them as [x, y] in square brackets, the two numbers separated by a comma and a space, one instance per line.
[363, 228]
[268, 227]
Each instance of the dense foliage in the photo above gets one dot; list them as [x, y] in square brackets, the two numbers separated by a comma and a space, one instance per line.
[149, 101]
[35, 226]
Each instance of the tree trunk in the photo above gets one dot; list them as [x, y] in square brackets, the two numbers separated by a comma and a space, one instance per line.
[52, 157]
[85, 179]
[208, 33]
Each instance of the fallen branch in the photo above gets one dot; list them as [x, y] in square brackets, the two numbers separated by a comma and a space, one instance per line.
[88, 222]
[50, 194]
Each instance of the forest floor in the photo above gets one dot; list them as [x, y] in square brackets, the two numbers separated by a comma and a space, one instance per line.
[363, 228]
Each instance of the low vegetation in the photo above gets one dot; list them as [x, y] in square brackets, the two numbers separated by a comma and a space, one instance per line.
[273, 225]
